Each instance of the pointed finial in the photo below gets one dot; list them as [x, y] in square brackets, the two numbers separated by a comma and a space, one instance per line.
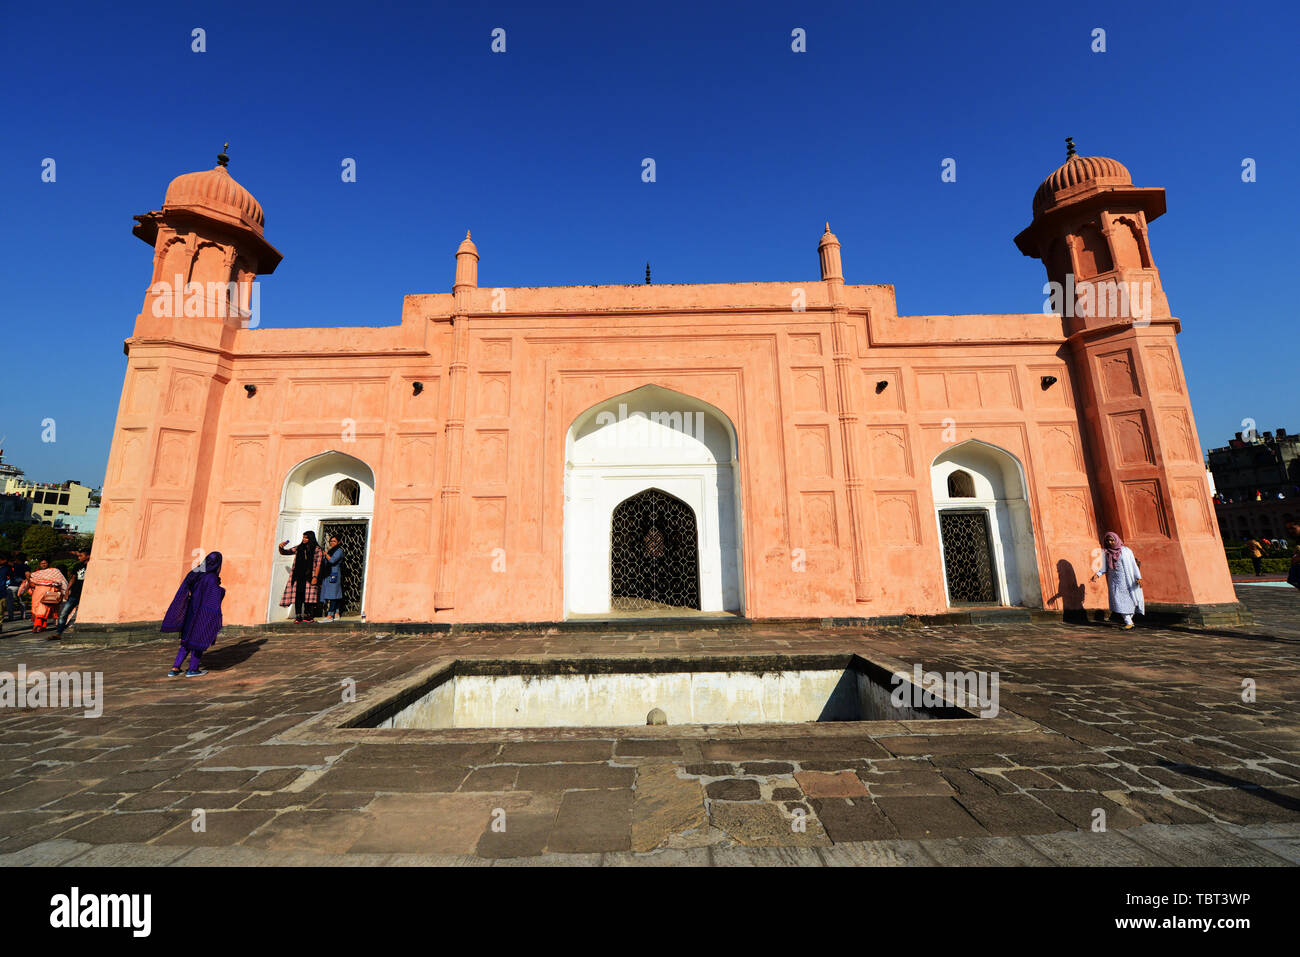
[1069, 148]
[828, 226]
[647, 274]
[222, 158]
[467, 234]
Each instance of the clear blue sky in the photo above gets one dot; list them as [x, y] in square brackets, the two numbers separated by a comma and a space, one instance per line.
[539, 151]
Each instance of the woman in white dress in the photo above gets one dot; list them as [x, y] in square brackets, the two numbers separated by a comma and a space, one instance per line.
[1123, 579]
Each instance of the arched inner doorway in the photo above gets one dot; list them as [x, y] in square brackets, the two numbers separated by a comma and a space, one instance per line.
[685, 451]
[986, 535]
[654, 554]
[329, 494]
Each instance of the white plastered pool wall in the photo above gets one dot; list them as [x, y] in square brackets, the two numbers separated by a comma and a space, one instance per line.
[845, 692]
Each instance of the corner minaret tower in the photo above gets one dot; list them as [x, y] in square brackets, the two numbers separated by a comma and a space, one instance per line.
[1090, 229]
[208, 249]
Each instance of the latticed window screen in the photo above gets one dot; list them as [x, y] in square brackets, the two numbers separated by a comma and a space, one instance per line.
[654, 557]
[967, 557]
[352, 536]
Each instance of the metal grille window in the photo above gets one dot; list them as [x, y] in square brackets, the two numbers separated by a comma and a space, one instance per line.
[352, 538]
[968, 557]
[654, 557]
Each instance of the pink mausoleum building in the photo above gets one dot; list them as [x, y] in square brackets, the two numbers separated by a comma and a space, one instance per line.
[768, 449]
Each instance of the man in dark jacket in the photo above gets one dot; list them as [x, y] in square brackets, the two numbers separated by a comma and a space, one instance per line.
[78, 577]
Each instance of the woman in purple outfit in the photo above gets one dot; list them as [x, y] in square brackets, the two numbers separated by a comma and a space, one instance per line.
[196, 613]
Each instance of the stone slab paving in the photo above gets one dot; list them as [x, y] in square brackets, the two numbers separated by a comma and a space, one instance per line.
[1145, 733]
[1149, 845]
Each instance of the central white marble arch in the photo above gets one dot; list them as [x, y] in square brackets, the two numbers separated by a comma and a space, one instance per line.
[651, 437]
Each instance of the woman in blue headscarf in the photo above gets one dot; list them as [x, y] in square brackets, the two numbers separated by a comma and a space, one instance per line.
[195, 612]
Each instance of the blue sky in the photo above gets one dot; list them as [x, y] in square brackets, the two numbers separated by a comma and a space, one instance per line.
[539, 151]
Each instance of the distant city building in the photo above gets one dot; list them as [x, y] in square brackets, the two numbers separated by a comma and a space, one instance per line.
[15, 508]
[46, 502]
[81, 524]
[1257, 484]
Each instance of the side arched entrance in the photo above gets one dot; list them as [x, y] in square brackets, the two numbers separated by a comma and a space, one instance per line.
[329, 494]
[986, 534]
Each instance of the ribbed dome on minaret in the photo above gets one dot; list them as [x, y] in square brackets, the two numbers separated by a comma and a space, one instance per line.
[215, 193]
[1076, 174]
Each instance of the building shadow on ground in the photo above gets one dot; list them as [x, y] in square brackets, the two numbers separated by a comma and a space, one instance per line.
[1225, 633]
[1218, 777]
[224, 657]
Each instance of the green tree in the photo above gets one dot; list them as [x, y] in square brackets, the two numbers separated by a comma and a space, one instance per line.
[11, 536]
[41, 541]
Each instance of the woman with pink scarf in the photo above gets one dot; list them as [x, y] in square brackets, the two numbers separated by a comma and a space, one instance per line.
[48, 588]
[1123, 579]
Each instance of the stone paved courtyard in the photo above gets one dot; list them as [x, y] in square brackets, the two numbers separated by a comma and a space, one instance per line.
[1149, 726]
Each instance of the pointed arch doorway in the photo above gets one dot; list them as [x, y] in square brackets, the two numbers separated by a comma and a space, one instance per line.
[328, 494]
[986, 534]
[646, 474]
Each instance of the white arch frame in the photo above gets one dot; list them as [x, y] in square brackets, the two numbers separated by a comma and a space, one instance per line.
[1015, 551]
[712, 490]
[292, 522]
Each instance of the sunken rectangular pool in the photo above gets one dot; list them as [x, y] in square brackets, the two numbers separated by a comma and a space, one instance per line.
[619, 692]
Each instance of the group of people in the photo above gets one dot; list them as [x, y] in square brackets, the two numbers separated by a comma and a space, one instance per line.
[1259, 548]
[52, 595]
[1221, 499]
[316, 579]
